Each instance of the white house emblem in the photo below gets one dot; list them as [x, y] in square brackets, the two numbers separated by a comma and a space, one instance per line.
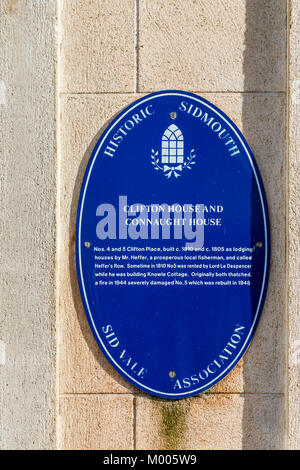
[172, 160]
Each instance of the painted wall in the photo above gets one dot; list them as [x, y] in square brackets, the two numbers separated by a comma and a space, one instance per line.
[72, 67]
[27, 224]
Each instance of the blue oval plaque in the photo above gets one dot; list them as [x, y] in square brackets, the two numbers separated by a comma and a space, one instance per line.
[172, 244]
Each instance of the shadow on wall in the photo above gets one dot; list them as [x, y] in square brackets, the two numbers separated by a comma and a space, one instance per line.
[263, 119]
[84, 326]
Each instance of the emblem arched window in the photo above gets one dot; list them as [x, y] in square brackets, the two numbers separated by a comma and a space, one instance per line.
[172, 145]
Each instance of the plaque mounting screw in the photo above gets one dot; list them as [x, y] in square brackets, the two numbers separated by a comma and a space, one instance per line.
[259, 244]
[172, 374]
[173, 115]
[87, 244]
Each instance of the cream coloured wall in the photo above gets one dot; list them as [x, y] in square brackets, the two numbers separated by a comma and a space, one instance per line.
[27, 224]
[293, 231]
[234, 54]
[67, 68]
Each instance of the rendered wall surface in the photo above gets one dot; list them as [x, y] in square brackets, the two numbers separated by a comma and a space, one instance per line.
[27, 224]
[293, 273]
[66, 68]
[233, 54]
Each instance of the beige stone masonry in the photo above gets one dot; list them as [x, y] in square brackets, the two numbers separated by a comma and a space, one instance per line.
[83, 369]
[27, 224]
[108, 53]
[293, 338]
[201, 45]
[67, 67]
[98, 45]
[96, 422]
[214, 422]
[216, 47]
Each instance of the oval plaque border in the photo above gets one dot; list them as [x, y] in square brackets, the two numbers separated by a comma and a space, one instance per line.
[80, 246]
